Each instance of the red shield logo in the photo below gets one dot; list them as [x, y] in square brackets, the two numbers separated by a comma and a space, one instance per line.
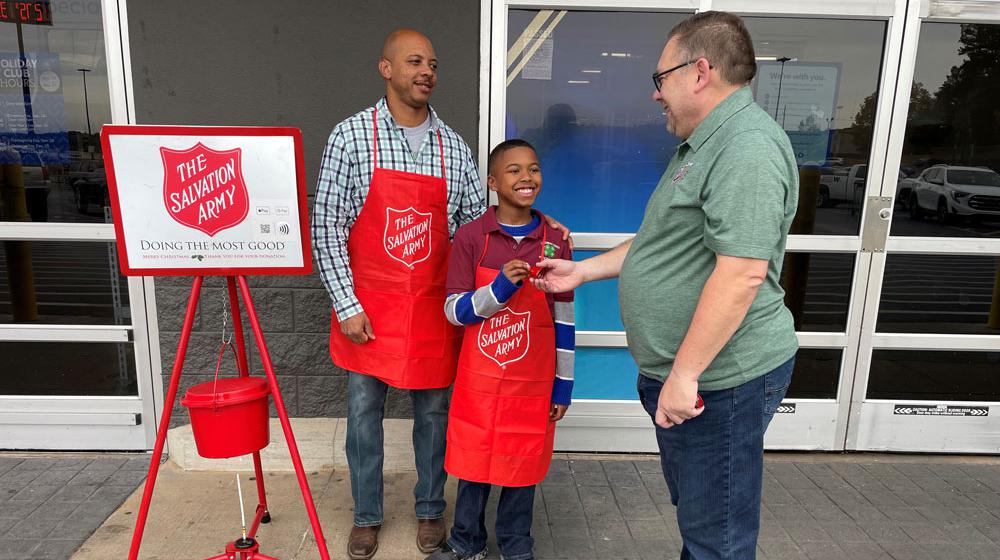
[504, 337]
[407, 235]
[204, 188]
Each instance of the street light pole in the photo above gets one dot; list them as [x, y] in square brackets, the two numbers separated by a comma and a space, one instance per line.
[86, 101]
[781, 78]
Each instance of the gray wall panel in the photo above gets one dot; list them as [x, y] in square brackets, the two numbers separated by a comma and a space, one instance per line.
[307, 64]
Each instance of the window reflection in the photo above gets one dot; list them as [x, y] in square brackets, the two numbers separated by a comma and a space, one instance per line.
[948, 183]
[951, 294]
[53, 99]
[818, 87]
[47, 282]
[583, 99]
[935, 376]
[68, 368]
[818, 289]
[816, 374]
[578, 88]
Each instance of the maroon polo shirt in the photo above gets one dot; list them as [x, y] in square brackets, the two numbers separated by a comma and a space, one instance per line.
[470, 241]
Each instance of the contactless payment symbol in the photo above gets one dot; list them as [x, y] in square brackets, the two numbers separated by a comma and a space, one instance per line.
[504, 337]
[407, 236]
[204, 189]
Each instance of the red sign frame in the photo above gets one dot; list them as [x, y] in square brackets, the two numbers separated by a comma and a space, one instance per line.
[198, 132]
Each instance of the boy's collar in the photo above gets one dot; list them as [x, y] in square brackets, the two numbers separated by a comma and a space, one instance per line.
[490, 223]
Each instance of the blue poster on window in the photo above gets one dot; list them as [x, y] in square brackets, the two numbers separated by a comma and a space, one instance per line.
[32, 128]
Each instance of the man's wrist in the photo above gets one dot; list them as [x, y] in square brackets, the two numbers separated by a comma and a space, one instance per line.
[347, 308]
[682, 374]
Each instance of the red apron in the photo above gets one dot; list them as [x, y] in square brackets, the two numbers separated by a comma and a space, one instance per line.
[498, 425]
[398, 249]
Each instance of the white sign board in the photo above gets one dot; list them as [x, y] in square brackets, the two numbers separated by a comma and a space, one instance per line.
[802, 98]
[195, 201]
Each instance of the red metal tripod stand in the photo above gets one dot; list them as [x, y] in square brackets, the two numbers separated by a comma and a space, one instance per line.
[239, 549]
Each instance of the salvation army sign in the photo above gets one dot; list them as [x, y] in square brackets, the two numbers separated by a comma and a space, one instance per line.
[204, 188]
[207, 200]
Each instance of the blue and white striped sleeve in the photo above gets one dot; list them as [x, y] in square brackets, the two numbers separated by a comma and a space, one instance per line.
[469, 308]
[565, 324]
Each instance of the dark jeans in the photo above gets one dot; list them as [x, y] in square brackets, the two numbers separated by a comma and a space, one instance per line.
[714, 464]
[468, 534]
[365, 453]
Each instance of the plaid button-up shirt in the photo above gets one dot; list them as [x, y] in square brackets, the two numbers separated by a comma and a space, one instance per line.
[344, 176]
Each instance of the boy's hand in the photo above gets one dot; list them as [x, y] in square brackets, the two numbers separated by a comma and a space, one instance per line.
[516, 271]
[557, 412]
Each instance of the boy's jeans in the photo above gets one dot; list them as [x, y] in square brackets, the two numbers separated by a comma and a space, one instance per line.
[513, 528]
[365, 438]
[714, 464]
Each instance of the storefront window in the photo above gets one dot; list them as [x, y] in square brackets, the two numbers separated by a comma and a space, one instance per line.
[54, 97]
[68, 368]
[948, 183]
[950, 294]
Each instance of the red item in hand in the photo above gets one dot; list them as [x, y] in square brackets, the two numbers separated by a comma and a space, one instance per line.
[700, 403]
[534, 272]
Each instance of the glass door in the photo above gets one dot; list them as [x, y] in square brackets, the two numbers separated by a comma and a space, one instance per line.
[75, 347]
[574, 80]
[931, 348]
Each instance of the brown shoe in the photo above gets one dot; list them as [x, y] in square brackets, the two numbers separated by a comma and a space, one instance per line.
[430, 534]
[363, 542]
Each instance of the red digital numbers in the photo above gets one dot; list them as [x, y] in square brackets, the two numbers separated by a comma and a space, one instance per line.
[38, 12]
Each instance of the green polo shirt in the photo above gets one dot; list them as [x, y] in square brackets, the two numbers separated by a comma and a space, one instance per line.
[731, 189]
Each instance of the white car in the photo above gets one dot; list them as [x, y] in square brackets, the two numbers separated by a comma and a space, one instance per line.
[950, 191]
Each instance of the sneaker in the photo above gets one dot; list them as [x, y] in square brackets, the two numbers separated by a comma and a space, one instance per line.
[447, 553]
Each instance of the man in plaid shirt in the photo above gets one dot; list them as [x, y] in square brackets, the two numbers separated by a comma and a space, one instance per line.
[373, 160]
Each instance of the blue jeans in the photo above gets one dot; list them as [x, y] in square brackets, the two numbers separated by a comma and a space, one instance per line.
[468, 534]
[714, 464]
[365, 453]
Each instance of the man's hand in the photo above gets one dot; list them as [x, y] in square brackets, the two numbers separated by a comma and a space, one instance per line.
[516, 271]
[557, 412]
[358, 328]
[557, 276]
[554, 224]
[677, 401]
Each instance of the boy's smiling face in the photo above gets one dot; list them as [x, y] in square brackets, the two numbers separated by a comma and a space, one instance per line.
[516, 177]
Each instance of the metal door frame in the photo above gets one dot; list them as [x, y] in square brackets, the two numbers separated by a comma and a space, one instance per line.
[86, 422]
[872, 425]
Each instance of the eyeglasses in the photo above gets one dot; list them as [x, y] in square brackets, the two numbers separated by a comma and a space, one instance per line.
[658, 77]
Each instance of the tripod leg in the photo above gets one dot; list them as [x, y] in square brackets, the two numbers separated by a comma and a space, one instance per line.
[286, 426]
[241, 356]
[168, 405]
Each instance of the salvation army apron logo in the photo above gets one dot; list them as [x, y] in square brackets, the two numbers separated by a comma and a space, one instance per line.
[504, 337]
[204, 188]
[407, 235]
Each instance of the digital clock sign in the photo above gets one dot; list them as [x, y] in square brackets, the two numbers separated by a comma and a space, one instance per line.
[37, 12]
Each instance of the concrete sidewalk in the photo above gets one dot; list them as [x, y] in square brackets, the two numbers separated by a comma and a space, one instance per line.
[816, 506]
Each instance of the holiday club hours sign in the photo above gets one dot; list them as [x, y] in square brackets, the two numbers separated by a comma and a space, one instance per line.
[207, 200]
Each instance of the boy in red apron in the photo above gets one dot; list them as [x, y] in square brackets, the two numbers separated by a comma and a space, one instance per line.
[515, 371]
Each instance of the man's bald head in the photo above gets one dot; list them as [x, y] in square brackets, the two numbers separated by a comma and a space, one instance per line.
[401, 40]
[409, 68]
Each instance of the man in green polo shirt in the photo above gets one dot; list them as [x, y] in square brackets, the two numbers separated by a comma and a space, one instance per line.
[699, 291]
